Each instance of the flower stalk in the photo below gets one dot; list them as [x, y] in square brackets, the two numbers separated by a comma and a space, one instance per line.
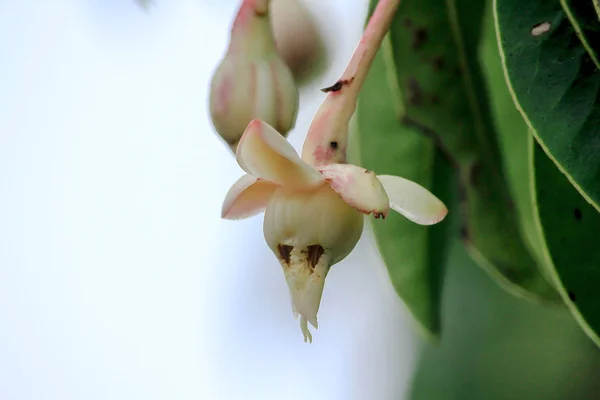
[327, 137]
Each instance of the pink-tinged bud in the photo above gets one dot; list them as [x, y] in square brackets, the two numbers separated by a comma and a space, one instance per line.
[252, 81]
[298, 39]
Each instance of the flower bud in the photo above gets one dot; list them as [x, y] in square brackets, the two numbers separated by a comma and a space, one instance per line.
[297, 37]
[252, 81]
[309, 231]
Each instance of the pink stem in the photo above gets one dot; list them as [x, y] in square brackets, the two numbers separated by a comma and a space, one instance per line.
[330, 124]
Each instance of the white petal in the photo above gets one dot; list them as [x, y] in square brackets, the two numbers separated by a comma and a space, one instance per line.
[264, 153]
[413, 201]
[247, 197]
[358, 187]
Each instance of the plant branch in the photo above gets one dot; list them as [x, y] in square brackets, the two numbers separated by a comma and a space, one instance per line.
[327, 136]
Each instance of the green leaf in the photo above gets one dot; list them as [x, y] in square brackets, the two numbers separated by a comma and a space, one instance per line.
[552, 68]
[435, 48]
[496, 347]
[513, 136]
[412, 253]
[571, 227]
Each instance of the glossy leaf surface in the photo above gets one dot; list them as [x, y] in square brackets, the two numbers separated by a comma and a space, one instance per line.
[549, 54]
[570, 226]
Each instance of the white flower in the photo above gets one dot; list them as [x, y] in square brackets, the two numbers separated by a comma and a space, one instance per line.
[313, 215]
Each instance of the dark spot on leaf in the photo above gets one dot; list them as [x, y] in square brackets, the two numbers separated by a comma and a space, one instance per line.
[511, 203]
[314, 253]
[572, 296]
[333, 145]
[508, 271]
[419, 37]
[414, 92]
[464, 232]
[475, 174]
[407, 22]
[435, 99]
[438, 63]
[577, 213]
[285, 252]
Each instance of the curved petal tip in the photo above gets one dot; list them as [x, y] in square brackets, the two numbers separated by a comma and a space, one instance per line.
[413, 201]
[266, 154]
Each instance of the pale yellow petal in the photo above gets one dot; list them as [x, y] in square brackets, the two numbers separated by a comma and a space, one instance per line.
[413, 201]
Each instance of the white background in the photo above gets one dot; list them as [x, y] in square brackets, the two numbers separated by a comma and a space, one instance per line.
[118, 279]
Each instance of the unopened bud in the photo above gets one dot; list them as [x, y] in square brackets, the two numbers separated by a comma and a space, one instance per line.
[252, 81]
[298, 39]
